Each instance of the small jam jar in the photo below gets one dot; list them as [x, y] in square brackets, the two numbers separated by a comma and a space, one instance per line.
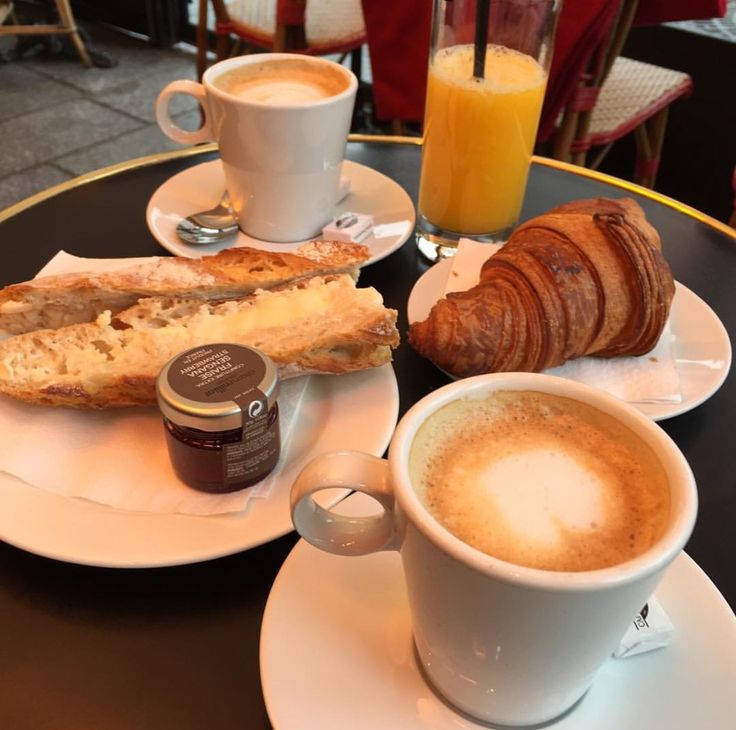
[221, 416]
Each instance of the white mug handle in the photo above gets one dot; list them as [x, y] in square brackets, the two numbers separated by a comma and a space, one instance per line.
[183, 86]
[342, 534]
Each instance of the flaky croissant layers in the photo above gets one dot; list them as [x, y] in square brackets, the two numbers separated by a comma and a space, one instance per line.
[586, 278]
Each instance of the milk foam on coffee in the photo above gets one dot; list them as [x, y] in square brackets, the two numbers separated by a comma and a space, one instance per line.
[282, 82]
[540, 480]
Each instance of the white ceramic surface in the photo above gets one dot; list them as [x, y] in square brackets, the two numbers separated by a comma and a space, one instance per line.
[355, 411]
[199, 188]
[508, 644]
[337, 652]
[701, 345]
[282, 160]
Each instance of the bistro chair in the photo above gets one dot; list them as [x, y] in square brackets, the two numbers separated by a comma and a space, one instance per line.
[66, 26]
[313, 27]
[617, 96]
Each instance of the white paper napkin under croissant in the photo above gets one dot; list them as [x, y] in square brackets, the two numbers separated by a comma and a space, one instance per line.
[117, 457]
[650, 378]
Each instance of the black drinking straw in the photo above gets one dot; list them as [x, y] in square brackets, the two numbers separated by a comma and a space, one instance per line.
[481, 38]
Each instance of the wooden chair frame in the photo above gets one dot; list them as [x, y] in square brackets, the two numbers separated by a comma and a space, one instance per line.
[66, 26]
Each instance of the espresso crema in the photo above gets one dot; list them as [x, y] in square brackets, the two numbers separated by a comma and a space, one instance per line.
[541, 481]
[282, 82]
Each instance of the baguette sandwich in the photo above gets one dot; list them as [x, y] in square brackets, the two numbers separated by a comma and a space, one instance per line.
[56, 301]
[322, 324]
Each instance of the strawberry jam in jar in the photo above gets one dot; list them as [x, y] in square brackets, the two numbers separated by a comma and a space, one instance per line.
[221, 416]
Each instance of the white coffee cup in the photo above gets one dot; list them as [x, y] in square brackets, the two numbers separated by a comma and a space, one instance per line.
[281, 155]
[502, 643]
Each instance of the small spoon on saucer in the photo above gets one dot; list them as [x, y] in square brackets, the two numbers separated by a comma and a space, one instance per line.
[209, 226]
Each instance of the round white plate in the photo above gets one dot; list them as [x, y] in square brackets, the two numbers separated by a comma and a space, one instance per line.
[200, 187]
[336, 652]
[354, 411]
[700, 346]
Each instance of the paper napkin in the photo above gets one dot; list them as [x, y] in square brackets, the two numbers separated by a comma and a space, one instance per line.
[650, 378]
[117, 457]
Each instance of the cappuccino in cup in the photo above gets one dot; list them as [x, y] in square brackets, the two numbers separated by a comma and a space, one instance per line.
[534, 517]
[285, 82]
[281, 122]
[540, 480]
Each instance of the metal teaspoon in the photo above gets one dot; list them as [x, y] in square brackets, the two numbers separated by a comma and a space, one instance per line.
[209, 226]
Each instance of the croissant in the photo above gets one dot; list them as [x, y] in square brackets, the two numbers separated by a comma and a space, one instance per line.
[586, 278]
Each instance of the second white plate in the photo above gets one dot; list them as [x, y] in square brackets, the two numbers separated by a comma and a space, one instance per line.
[199, 188]
[354, 411]
[701, 346]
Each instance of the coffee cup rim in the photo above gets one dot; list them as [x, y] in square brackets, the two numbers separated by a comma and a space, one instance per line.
[679, 474]
[225, 65]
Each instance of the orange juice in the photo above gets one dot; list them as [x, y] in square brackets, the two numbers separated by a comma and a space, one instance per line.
[478, 139]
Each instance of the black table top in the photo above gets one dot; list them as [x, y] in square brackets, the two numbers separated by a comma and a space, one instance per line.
[177, 647]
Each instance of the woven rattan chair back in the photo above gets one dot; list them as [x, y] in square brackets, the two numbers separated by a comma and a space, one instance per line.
[617, 96]
[313, 27]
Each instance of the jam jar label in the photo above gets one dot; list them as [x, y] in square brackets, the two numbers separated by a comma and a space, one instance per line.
[258, 450]
[212, 374]
[222, 374]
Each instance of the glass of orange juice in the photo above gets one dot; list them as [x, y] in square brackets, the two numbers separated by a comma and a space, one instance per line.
[487, 77]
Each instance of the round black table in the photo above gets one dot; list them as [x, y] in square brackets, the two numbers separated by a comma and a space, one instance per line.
[177, 647]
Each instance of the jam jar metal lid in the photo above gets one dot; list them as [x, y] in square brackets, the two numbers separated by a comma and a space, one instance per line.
[210, 387]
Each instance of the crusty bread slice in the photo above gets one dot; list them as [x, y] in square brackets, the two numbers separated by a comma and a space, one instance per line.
[56, 301]
[322, 324]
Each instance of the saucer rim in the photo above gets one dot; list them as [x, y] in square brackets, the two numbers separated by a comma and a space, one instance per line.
[172, 244]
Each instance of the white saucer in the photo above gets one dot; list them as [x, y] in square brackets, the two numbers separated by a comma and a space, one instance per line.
[701, 346]
[200, 187]
[355, 411]
[336, 652]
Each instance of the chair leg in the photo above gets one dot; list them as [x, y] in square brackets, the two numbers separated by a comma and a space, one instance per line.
[222, 33]
[202, 39]
[564, 137]
[595, 163]
[289, 38]
[649, 138]
[222, 46]
[280, 36]
[398, 127]
[579, 158]
[356, 62]
[67, 19]
[7, 11]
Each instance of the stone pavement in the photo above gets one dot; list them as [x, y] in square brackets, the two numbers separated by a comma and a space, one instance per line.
[59, 119]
